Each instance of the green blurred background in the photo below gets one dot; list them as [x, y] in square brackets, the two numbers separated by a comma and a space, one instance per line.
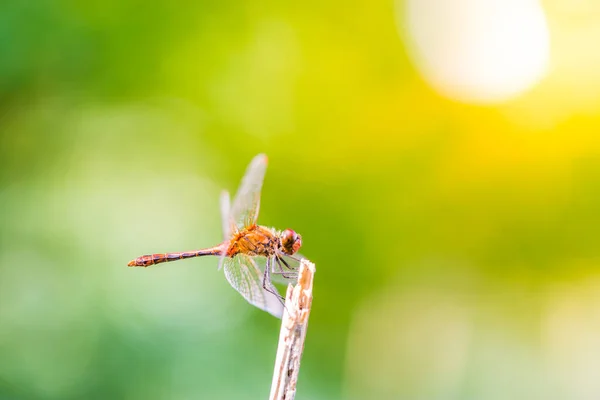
[454, 228]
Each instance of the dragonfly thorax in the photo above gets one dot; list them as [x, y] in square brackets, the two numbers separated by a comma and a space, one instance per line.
[254, 240]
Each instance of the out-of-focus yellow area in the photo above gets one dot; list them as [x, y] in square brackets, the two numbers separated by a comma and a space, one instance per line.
[441, 160]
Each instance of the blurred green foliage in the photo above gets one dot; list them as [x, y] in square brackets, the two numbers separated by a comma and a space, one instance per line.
[456, 247]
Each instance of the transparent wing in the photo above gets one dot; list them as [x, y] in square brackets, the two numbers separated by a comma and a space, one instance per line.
[244, 210]
[245, 277]
[282, 275]
[226, 220]
[293, 261]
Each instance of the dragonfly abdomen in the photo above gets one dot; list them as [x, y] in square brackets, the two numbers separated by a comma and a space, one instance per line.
[151, 259]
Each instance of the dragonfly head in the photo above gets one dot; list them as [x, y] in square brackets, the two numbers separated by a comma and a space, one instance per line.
[290, 241]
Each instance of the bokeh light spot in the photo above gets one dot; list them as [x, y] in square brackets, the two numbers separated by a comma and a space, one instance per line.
[478, 51]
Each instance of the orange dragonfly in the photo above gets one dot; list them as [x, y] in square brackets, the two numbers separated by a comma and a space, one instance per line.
[251, 255]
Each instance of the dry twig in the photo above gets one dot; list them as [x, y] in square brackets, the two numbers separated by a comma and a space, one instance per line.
[294, 323]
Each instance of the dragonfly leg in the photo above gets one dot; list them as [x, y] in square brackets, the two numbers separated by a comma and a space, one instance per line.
[268, 285]
[295, 268]
[286, 275]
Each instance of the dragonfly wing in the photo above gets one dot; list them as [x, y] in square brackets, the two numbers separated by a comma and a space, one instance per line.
[226, 220]
[289, 276]
[293, 261]
[244, 210]
[222, 260]
[245, 277]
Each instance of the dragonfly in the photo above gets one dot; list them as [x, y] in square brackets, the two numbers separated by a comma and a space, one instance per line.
[252, 256]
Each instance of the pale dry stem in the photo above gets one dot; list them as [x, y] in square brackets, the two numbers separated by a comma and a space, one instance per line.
[294, 323]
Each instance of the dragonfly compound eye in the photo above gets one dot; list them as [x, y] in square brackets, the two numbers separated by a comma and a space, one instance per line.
[291, 241]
